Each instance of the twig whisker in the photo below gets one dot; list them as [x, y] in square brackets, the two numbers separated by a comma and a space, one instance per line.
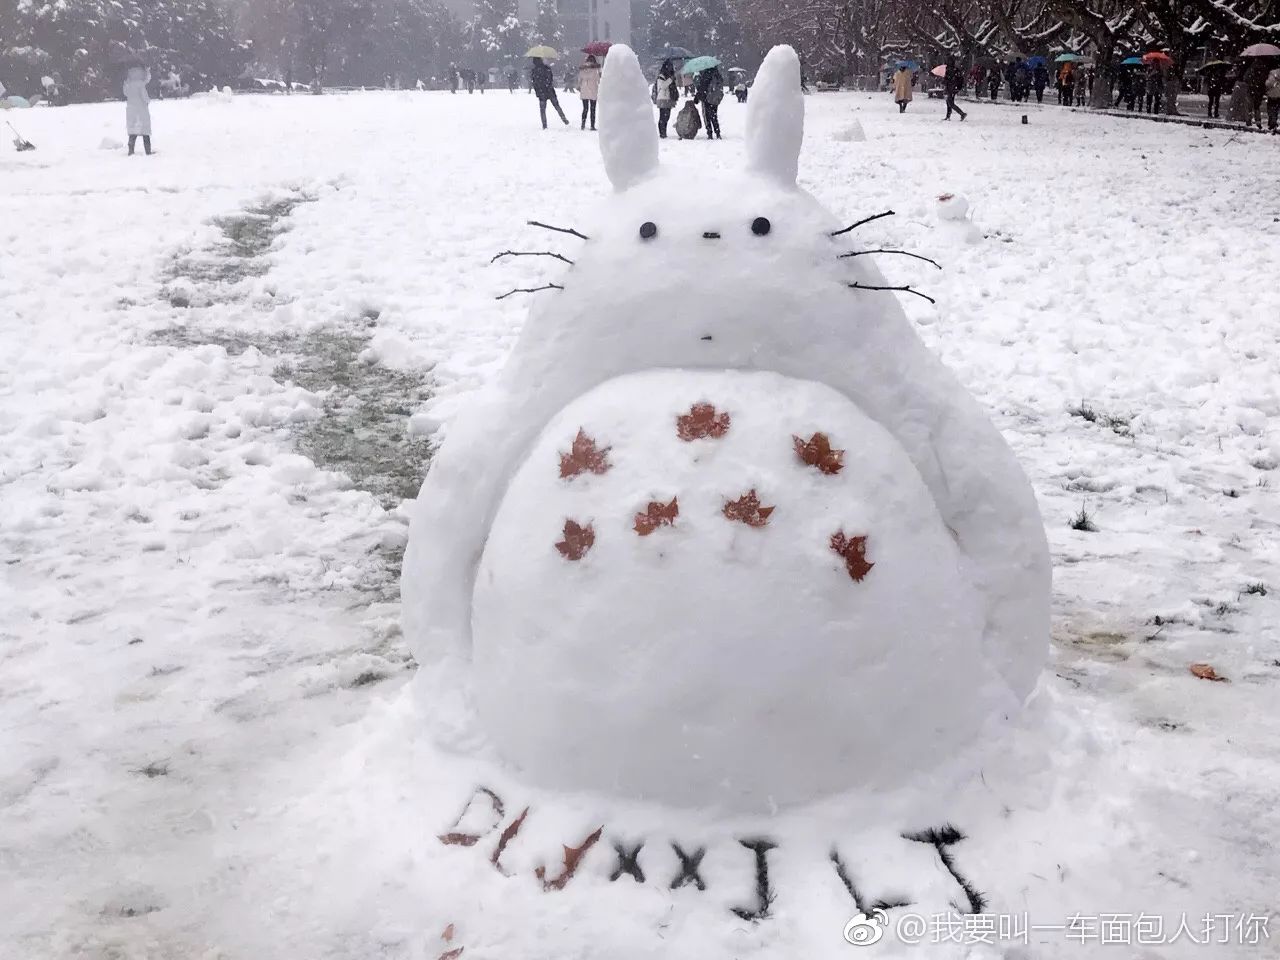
[530, 253]
[864, 286]
[568, 230]
[901, 253]
[549, 286]
[865, 220]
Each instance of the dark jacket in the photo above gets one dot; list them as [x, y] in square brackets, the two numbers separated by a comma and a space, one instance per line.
[542, 80]
[709, 88]
[1041, 77]
[953, 82]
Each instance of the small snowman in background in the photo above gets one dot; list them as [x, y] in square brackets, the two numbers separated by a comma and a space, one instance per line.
[852, 132]
[953, 208]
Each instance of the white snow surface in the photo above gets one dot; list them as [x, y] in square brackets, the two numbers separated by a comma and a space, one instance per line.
[208, 749]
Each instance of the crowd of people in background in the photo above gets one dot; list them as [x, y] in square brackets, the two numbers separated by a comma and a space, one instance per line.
[1137, 85]
[703, 89]
[1141, 86]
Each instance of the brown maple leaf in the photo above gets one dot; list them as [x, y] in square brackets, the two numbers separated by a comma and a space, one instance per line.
[453, 954]
[584, 457]
[746, 509]
[854, 552]
[702, 421]
[657, 515]
[817, 452]
[1206, 672]
[577, 540]
[447, 936]
[572, 857]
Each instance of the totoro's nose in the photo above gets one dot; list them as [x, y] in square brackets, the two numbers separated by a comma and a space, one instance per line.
[710, 235]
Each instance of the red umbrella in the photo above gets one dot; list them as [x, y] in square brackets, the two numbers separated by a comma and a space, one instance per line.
[1155, 56]
[597, 48]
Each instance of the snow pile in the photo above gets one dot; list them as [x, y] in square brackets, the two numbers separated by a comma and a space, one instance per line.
[851, 132]
[952, 207]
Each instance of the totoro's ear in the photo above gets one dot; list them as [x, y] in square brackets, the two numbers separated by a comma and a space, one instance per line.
[628, 135]
[775, 117]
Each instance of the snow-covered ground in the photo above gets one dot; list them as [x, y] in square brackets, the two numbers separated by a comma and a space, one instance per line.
[220, 366]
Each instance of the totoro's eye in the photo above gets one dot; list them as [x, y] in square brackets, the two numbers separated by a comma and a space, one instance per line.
[648, 230]
[760, 226]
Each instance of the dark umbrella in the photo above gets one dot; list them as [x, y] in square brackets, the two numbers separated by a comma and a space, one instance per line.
[1213, 65]
[674, 53]
[127, 58]
[1034, 62]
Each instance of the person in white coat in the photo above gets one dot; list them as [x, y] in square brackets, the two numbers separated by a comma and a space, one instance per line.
[589, 89]
[138, 109]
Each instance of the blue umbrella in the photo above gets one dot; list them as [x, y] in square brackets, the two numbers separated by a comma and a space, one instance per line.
[674, 53]
[1131, 62]
[698, 64]
[908, 64]
[1034, 62]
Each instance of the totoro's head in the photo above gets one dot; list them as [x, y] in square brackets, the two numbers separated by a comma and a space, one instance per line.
[725, 267]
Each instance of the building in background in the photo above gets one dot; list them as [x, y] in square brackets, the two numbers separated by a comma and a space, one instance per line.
[583, 20]
[588, 20]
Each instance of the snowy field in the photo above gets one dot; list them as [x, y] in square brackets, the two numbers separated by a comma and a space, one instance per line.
[222, 367]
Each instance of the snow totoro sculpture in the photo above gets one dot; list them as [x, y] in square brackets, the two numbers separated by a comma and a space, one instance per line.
[723, 532]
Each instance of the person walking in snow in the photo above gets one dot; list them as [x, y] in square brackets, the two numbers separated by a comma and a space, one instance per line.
[513, 79]
[1272, 90]
[902, 87]
[1022, 76]
[1215, 86]
[993, 82]
[1040, 80]
[453, 78]
[665, 95]
[1254, 79]
[1067, 84]
[710, 93]
[137, 112]
[543, 83]
[1154, 88]
[952, 84]
[589, 89]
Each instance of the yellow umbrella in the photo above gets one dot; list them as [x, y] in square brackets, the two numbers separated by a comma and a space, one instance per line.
[543, 52]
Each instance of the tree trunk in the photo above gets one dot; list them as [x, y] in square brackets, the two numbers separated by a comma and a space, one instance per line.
[1100, 99]
[1172, 86]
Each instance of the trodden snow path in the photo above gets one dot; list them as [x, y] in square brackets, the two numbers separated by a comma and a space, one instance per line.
[220, 365]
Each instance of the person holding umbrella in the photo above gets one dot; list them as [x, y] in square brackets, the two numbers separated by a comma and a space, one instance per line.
[589, 88]
[137, 113]
[708, 91]
[543, 82]
[665, 94]
[1215, 85]
[1272, 91]
[1040, 79]
[952, 84]
[1254, 77]
[902, 87]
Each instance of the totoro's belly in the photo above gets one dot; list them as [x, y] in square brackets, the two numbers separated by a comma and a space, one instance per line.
[724, 587]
